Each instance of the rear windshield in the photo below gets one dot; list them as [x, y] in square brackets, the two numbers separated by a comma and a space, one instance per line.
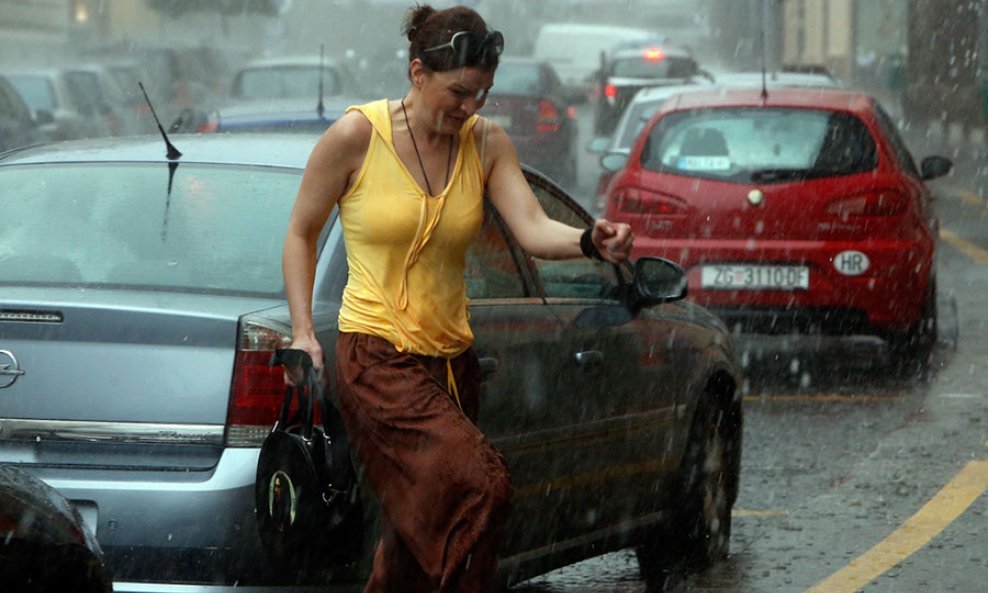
[516, 79]
[665, 67]
[286, 82]
[760, 145]
[221, 229]
[35, 90]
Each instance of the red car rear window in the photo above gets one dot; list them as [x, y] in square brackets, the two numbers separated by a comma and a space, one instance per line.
[761, 145]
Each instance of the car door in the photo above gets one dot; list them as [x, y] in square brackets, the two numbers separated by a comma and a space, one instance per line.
[516, 335]
[618, 391]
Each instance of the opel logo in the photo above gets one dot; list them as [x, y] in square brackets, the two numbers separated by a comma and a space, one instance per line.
[9, 369]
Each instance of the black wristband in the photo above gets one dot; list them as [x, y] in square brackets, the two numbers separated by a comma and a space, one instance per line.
[587, 247]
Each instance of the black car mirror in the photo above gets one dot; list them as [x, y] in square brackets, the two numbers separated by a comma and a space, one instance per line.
[598, 145]
[613, 162]
[43, 117]
[657, 281]
[935, 166]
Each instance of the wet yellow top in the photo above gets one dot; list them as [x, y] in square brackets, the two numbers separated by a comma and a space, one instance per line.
[407, 250]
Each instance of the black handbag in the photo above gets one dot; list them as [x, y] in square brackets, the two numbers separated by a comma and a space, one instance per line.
[309, 513]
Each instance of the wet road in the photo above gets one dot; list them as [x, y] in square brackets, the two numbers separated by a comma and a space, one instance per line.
[854, 480]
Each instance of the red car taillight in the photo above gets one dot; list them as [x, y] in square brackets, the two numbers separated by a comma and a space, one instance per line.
[258, 389]
[547, 121]
[610, 92]
[884, 203]
[637, 201]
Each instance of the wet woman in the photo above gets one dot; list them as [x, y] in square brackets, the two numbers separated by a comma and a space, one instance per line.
[409, 177]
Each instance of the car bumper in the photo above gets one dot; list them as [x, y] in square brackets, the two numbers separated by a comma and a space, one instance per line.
[885, 298]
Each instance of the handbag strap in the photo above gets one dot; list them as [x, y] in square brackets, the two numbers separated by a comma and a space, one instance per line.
[308, 392]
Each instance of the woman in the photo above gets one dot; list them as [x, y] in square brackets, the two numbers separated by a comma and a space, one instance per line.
[409, 176]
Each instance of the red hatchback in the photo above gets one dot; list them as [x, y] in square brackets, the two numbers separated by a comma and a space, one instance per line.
[799, 211]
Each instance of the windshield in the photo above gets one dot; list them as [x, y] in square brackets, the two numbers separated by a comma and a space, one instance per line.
[285, 82]
[100, 225]
[762, 145]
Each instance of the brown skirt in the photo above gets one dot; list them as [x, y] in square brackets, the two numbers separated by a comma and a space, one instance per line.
[443, 487]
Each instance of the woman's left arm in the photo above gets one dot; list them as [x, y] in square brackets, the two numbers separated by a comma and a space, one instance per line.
[538, 234]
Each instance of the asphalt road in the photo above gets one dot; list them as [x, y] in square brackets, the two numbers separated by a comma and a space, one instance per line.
[853, 480]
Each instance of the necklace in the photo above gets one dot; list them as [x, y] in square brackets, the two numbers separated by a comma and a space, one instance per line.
[449, 158]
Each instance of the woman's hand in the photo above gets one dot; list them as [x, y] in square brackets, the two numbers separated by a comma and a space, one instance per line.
[613, 240]
[310, 345]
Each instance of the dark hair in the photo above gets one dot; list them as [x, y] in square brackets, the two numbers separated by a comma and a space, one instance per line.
[427, 27]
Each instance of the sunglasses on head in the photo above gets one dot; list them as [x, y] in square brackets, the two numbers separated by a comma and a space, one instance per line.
[470, 45]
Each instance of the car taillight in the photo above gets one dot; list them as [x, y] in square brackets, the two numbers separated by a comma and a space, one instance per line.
[208, 127]
[637, 201]
[570, 112]
[258, 389]
[610, 92]
[883, 203]
[548, 118]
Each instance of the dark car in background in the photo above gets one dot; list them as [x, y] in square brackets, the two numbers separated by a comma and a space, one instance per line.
[626, 71]
[143, 298]
[18, 127]
[799, 210]
[528, 101]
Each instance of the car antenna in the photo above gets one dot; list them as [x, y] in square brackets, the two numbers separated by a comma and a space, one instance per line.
[764, 67]
[320, 109]
[173, 153]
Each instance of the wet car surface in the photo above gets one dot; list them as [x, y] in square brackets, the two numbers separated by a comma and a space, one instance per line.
[144, 381]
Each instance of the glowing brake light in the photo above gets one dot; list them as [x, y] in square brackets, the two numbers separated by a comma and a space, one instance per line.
[610, 91]
[548, 118]
[654, 55]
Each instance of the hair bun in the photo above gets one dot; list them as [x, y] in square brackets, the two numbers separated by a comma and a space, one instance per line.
[415, 18]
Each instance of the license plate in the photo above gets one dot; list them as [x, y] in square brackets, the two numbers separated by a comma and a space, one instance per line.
[502, 120]
[756, 277]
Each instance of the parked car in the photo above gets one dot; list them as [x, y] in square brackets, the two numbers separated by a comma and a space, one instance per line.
[309, 116]
[648, 100]
[574, 51]
[142, 300]
[291, 77]
[45, 545]
[627, 71]
[799, 211]
[527, 100]
[83, 101]
[17, 126]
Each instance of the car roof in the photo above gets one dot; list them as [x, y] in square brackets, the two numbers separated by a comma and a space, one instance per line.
[778, 79]
[295, 60]
[267, 149]
[637, 52]
[798, 97]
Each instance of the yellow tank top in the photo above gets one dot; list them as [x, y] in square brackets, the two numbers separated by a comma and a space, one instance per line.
[406, 250]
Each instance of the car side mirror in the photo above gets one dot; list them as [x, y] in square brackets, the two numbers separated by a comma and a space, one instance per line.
[935, 166]
[598, 145]
[613, 161]
[658, 280]
[43, 117]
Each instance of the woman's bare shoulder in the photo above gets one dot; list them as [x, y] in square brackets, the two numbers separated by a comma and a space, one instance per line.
[347, 138]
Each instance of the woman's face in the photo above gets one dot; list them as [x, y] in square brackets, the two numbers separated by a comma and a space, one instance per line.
[453, 96]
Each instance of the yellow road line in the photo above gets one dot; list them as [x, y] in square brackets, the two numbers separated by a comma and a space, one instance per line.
[969, 249]
[972, 199]
[942, 510]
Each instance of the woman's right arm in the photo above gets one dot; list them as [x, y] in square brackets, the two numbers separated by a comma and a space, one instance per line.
[330, 170]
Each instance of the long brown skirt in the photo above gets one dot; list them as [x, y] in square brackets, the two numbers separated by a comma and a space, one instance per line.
[443, 487]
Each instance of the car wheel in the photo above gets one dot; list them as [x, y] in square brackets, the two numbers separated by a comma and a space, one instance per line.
[912, 350]
[699, 535]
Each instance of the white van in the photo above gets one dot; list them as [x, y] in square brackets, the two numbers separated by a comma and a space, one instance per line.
[574, 49]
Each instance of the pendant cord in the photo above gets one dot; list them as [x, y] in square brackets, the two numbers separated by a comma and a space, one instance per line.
[418, 156]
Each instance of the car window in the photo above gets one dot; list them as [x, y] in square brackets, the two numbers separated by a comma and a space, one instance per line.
[762, 145]
[492, 272]
[286, 82]
[36, 91]
[899, 148]
[653, 65]
[574, 278]
[638, 115]
[516, 78]
[220, 228]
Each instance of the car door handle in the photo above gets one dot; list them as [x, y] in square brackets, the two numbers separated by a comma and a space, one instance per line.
[589, 357]
[488, 366]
